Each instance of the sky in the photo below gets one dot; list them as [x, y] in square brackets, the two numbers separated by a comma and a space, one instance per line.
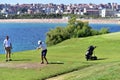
[59, 1]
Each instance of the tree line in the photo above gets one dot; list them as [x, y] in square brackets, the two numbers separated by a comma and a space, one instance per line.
[43, 16]
[30, 16]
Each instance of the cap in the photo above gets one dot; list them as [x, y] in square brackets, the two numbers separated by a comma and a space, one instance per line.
[39, 42]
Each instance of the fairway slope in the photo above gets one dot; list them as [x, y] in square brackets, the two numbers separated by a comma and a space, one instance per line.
[67, 61]
[107, 66]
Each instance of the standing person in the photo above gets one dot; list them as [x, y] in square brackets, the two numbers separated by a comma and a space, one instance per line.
[7, 46]
[43, 46]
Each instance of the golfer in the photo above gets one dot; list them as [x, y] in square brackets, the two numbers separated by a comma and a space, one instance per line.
[7, 46]
[43, 46]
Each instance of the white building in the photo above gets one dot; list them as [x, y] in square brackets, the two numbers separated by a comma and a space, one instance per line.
[107, 13]
[4, 11]
[91, 11]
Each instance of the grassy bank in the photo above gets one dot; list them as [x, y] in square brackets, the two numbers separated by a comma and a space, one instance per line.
[67, 58]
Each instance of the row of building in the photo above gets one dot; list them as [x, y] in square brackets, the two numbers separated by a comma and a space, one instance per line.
[103, 10]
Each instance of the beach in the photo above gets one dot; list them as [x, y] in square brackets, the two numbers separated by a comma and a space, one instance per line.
[94, 21]
[33, 20]
[102, 21]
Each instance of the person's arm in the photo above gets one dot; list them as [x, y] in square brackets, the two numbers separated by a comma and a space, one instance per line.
[11, 45]
[4, 44]
[39, 47]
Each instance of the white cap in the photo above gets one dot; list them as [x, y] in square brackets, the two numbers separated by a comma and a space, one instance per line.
[39, 42]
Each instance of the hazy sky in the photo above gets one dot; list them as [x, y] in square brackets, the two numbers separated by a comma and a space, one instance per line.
[59, 1]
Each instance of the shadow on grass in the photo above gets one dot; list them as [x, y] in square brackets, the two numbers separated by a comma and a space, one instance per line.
[21, 60]
[97, 59]
[56, 63]
[102, 58]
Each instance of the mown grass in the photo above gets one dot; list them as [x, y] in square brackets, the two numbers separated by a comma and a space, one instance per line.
[105, 71]
[67, 57]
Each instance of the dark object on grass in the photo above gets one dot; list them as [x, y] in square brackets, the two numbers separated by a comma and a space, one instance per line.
[89, 53]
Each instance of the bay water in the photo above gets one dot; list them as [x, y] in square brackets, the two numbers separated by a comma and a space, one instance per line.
[24, 36]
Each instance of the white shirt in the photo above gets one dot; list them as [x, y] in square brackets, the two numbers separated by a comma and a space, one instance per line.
[7, 43]
[43, 46]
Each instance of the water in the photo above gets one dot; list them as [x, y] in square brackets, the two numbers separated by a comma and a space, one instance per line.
[111, 27]
[24, 36]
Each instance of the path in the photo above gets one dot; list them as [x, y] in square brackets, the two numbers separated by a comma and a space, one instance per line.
[22, 65]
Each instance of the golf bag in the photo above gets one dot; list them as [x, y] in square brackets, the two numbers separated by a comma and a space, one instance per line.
[89, 53]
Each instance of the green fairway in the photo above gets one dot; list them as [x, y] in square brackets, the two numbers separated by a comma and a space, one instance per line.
[67, 61]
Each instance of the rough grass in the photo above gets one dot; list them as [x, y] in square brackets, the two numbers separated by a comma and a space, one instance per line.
[67, 58]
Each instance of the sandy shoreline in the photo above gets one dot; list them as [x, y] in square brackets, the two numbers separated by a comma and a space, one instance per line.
[33, 20]
[103, 21]
[96, 21]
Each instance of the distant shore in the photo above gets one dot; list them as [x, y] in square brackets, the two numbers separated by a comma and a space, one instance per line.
[102, 21]
[33, 20]
[96, 21]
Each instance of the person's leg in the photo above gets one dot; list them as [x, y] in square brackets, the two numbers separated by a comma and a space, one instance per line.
[6, 50]
[42, 56]
[10, 55]
[42, 59]
[45, 52]
[46, 59]
[6, 56]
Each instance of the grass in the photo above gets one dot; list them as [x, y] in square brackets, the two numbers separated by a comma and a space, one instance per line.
[106, 71]
[67, 58]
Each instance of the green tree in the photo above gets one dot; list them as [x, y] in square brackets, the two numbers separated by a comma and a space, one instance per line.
[55, 36]
[74, 29]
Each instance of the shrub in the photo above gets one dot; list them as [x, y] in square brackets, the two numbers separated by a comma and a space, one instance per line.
[74, 29]
[104, 31]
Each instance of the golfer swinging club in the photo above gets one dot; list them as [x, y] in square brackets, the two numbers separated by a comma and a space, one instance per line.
[43, 46]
